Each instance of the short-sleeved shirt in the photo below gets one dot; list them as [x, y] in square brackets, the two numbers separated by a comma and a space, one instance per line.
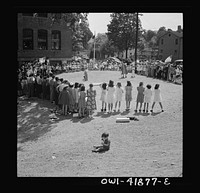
[106, 144]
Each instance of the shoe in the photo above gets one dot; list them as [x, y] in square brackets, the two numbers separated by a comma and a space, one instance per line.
[136, 111]
[104, 110]
[140, 110]
[162, 110]
[151, 111]
[101, 110]
[147, 111]
[144, 110]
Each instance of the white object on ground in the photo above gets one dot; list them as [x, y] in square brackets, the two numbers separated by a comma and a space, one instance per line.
[122, 120]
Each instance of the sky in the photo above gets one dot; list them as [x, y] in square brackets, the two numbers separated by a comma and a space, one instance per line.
[150, 21]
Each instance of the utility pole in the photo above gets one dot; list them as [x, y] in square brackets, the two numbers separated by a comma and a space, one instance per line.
[136, 36]
[94, 48]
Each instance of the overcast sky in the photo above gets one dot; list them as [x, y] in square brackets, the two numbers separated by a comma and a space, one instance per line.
[150, 21]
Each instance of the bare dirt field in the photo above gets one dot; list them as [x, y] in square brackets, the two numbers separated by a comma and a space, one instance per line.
[152, 146]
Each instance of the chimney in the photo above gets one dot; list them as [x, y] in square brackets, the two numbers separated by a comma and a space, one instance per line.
[179, 28]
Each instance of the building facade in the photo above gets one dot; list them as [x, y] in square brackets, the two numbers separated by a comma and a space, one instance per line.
[39, 37]
[171, 43]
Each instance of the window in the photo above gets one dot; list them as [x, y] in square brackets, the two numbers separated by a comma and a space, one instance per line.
[56, 40]
[42, 39]
[169, 35]
[175, 52]
[42, 14]
[27, 39]
[162, 41]
[176, 41]
[27, 14]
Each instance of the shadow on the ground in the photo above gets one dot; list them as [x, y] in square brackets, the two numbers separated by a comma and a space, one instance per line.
[125, 112]
[156, 113]
[141, 113]
[33, 119]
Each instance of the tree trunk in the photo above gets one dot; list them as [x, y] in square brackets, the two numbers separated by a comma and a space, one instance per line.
[126, 52]
[126, 49]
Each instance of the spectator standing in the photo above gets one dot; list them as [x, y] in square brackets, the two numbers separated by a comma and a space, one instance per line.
[91, 101]
[81, 101]
[63, 99]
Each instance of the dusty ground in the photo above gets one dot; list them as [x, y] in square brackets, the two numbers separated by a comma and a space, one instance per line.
[151, 146]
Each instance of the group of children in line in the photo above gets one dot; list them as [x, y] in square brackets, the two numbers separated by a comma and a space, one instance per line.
[111, 95]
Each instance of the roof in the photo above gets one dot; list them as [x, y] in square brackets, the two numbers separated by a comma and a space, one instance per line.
[178, 34]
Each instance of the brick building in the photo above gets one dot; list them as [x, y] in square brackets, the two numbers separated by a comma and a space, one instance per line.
[38, 36]
[171, 43]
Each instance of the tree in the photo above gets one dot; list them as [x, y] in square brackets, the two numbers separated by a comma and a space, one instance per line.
[122, 29]
[148, 35]
[78, 23]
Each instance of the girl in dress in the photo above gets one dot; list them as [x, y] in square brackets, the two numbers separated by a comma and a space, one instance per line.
[72, 98]
[147, 97]
[82, 102]
[118, 94]
[85, 76]
[76, 89]
[128, 95]
[91, 102]
[110, 95]
[157, 97]
[63, 99]
[140, 96]
[103, 96]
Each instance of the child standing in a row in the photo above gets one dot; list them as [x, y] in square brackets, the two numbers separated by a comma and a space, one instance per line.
[118, 96]
[82, 102]
[110, 95]
[140, 96]
[91, 102]
[103, 96]
[128, 95]
[157, 97]
[147, 98]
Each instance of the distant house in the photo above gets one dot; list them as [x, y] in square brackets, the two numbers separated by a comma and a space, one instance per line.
[171, 43]
[39, 37]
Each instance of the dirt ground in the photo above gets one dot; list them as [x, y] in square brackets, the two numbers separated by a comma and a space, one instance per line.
[150, 147]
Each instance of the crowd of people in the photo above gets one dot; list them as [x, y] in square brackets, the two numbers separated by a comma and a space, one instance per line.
[163, 71]
[72, 98]
[39, 80]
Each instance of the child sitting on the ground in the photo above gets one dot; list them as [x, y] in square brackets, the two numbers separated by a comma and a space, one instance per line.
[105, 144]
